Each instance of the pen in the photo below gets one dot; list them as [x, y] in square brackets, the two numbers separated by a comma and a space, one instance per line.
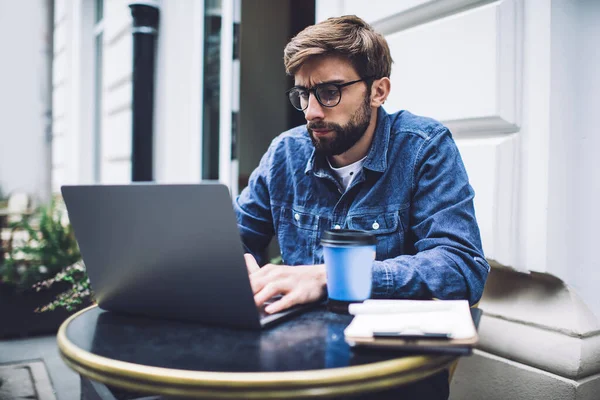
[411, 336]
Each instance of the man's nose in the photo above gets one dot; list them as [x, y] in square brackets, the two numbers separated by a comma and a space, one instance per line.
[314, 109]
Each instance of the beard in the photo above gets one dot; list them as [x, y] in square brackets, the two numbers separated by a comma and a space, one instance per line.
[343, 137]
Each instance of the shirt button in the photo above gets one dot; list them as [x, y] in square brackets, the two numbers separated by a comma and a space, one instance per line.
[297, 217]
[337, 227]
[375, 225]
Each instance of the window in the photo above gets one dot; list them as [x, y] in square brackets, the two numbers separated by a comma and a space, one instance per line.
[211, 85]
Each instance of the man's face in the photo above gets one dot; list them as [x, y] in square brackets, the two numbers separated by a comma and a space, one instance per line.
[334, 130]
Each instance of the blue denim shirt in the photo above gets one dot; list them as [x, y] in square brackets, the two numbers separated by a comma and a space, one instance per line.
[413, 193]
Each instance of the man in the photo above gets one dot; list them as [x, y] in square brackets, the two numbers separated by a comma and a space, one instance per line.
[355, 166]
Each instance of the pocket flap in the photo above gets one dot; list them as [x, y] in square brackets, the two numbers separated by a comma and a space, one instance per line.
[300, 219]
[376, 223]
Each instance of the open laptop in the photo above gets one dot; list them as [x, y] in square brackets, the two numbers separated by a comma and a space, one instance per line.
[170, 251]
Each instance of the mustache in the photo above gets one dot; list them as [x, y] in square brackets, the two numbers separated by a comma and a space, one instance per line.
[320, 125]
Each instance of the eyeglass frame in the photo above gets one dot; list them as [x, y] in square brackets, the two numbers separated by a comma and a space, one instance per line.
[313, 89]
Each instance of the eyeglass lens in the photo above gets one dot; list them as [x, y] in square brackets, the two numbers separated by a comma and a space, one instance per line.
[327, 95]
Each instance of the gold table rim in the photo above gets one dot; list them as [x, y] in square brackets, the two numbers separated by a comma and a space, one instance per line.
[91, 364]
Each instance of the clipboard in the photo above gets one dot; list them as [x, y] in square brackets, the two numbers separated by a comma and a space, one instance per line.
[426, 326]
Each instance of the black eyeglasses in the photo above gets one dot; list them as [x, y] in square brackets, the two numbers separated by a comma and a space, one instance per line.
[327, 94]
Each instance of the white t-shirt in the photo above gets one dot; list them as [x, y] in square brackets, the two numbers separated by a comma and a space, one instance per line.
[346, 174]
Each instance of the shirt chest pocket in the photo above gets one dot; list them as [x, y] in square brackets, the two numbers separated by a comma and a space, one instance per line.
[297, 234]
[388, 229]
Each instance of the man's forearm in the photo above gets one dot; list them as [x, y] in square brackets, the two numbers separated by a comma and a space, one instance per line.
[442, 272]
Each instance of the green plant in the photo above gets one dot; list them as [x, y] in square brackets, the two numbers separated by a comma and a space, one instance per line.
[49, 254]
[3, 199]
[80, 288]
[41, 245]
[276, 260]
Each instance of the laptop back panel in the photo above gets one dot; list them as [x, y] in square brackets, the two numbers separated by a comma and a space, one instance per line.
[170, 251]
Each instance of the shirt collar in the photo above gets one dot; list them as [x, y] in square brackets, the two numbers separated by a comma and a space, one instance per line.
[376, 157]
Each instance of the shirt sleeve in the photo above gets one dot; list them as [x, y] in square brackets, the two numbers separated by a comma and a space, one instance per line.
[253, 210]
[449, 261]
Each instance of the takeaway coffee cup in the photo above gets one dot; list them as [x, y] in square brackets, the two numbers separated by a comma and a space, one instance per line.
[349, 256]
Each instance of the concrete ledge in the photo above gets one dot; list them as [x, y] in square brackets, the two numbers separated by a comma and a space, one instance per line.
[538, 320]
[549, 350]
[489, 377]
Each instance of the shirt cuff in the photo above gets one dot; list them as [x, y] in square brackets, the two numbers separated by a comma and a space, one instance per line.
[383, 280]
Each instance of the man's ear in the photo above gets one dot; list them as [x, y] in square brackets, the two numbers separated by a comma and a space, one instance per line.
[380, 90]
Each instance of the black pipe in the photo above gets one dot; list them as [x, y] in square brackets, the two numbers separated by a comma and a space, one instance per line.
[145, 31]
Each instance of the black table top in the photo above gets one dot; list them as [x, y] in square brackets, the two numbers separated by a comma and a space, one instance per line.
[303, 356]
[310, 341]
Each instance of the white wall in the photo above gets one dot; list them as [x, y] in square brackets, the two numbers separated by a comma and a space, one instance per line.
[116, 93]
[178, 92]
[61, 84]
[574, 166]
[585, 192]
[24, 158]
[73, 141]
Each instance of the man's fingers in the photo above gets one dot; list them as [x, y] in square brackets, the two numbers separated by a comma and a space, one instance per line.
[269, 290]
[251, 263]
[268, 273]
[285, 302]
[257, 282]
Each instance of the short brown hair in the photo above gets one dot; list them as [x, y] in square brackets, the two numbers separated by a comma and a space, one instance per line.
[348, 36]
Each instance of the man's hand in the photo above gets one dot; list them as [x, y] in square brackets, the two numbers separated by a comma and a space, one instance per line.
[298, 285]
[251, 263]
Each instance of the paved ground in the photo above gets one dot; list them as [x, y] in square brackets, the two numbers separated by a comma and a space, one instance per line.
[41, 348]
[28, 380]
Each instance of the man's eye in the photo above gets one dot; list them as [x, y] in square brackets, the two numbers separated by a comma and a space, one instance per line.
[303, 94]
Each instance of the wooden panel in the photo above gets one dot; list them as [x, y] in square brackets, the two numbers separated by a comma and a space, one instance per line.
[61, 81]
[446, 70]
[60, 68]
[116, 172]
[178, 92]
[118, 97]
[456, 70]
[58, 178]
[389, 17]
[60, 9]
[59, 126]
[118, 60]
[59, 102]
[116, 8]
[116, 136]
[370, 11]
[461, 67]
[490, 163]
[60, 37]
[118, 25]
[58, 150]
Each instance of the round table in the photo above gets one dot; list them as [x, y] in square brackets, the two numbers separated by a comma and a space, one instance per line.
[302, 357]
